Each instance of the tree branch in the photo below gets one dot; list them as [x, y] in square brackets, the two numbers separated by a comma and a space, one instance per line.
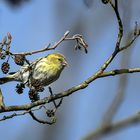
[119, 71]
[46, 48]
[67, 92]
[120, 34]
[77, 37]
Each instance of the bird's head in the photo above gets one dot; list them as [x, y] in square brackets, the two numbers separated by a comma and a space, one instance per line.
[57, 59]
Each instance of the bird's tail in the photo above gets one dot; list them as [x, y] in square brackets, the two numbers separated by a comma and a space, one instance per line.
[6, 79]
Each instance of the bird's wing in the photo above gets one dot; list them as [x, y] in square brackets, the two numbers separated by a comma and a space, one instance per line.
[24, 71]
[34, 62]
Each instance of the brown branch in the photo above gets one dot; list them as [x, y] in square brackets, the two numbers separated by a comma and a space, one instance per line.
[46, 48]
[13, 115]
[67, 92]
[77, 37]
[53, 120]
[117, 126]
[18, 114]
[130, 43]
[51, 94]
[2, 105]
[120, 34]
[120, 93]
[117, 47]
[107, 126]
[119, 71]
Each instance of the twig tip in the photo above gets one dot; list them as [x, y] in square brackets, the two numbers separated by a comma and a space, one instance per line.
[66, 33]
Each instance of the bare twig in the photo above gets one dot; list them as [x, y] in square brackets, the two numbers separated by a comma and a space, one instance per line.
[13, 115]
[51, 94]
[39, 120]
[18, 114]
[32, 115]
[119, 71]
[63, 38]
[46, 48]
[1, 100]
[120, 92]
[55, 104]
[117, 47]
[107, 125]
[130, 43]
[120, 34]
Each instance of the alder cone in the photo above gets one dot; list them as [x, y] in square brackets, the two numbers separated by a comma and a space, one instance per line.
[5, 67]
[19, 59]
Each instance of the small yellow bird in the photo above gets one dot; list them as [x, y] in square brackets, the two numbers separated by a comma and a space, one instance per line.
[45, 70]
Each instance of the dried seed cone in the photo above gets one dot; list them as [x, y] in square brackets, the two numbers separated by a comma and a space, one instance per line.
[19, 88]
[5, 67]
[33, 95]
[19, 59]
[105, 1]
[50, 113]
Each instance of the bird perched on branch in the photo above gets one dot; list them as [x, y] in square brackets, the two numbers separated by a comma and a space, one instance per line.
[44, 71]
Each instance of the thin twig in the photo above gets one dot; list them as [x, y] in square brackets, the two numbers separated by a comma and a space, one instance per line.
[117, 47]
[64, 38]
[118, 72]
[130, 43]
[18, 114]
[39, 120]
[2, 105]
[13, 115]
[46, 48]
[120, 34]
[51, 93]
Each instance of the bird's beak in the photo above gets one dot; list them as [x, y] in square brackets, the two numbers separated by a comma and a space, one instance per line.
[65, 63]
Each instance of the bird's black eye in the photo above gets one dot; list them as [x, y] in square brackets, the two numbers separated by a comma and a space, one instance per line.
[59, 59]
